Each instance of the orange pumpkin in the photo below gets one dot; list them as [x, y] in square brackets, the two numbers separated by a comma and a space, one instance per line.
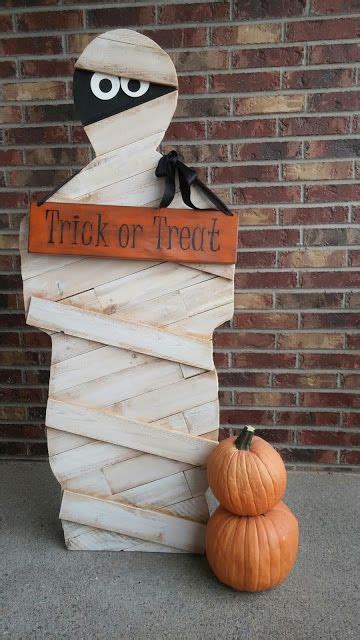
[246, 474]
[252, 553]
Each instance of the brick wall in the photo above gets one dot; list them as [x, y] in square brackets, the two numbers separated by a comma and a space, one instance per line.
[268, 112]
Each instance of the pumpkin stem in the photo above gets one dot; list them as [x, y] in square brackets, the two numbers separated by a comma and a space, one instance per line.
[243, 441]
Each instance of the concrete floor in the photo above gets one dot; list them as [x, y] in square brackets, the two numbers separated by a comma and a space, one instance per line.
[52, 593]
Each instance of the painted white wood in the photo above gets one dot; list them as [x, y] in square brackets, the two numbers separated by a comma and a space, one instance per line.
[125, 432]
[197, 481]
[194, 509]
[176, 422]
[89, 457]
[141, 470]
[204, 324]
[130, 60]
[65, 347]
[122, 384]
[92, 365]
[156, 494]
[143, 338]
[133, 521]
[203, 418]
[174, 398]
[60, 441]
[92, 483]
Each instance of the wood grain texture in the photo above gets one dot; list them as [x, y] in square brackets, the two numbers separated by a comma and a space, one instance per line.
[133, 401]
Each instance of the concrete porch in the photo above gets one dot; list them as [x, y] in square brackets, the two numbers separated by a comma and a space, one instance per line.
[49, 592]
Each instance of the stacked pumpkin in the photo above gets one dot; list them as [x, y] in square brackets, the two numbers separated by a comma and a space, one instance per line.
[252, 537]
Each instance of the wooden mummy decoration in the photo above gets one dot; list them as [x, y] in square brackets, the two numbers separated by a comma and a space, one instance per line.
[132, 413]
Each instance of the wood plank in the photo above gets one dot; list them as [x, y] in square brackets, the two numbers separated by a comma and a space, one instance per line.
[64, 347]
[159, 493]
[204, 324]
[154, 282]
[134, 124]
[174, 398]
[141, 470]
[89, 457]
[143, 338]
[92, 365]
[195, 509]
[60, 441]
[197, 480]
[92, 484]
[128, 60]
[133, 521]
[121, 385]
[203, 418]
[125, 432]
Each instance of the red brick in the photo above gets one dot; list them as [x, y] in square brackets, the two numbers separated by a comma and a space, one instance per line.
[10, 156]
[243, 379]
[185, 131]
[241, 129]
[307, 379]
[10, 115]
[308, 300]
[240, 340]
[306, 340]
[265, 320]
[6, 23]
[332, 193]
[330, 438]
[190, 153]
[7, 69]
[274, 9]
[265, 398]
[221, 361]
[339, 148]
[178, 38]
[124, 16]
[309, 79]
[46, 68]
[19, 449]
[50, 20]
[328, 237]
[245, 173]
[21, 431]
[319, 456]
[333, 29]
[335, 6]
[353, 341]
[78, 135]
[49, 113]
[334, 53]
[313, 126]
[260, 259]
[270, 57]
[262, 280]
[200, 107]
[246, 416]
[350, 457]
[268, 238]
[261, 195]
[197, 12]
[306, 258]
[257, 216]
[356, 213]
[266, 150]
[37, 178]
[263, 360]
[36, 135]
[243, 82]
[253, 300]
[42, 45]
[335, 320]
[308, 418]
[246, 34]
[314, 215]
[335, 101]
[331, 360]
[41, 90]
[351, 381]
[356, 124]
[199, 60]
[14, 199]
[275, 435]
[192, 84]
[312, 399]
[352, 420]
[336, 279]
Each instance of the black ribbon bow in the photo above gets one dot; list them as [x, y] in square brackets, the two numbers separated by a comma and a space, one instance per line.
[167, 167]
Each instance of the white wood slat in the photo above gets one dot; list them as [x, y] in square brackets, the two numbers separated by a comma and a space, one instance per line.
[159, 493]
[92, 484]
[93, 365]
[128, 60]
[108, 427]
[79, 537]
[134, 124]
[64, 347]
[176, 422]
[197, 481]
[223, 270]
[89, 457]
[174, 398]
[121, 385]
[203, 418]
[86, 300]
[141, 470]
[133, 521]
[89, 273]
[154, 282]
[145, 339]
[204, 324]
[195, 509]
[60, 441]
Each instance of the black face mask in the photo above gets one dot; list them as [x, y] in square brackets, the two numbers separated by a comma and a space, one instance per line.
[97, 96]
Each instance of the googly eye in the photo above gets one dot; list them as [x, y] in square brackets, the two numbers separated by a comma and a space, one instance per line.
[104, 87]
[134, 88]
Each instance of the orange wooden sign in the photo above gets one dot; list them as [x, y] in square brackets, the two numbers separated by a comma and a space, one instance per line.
[137, 233]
